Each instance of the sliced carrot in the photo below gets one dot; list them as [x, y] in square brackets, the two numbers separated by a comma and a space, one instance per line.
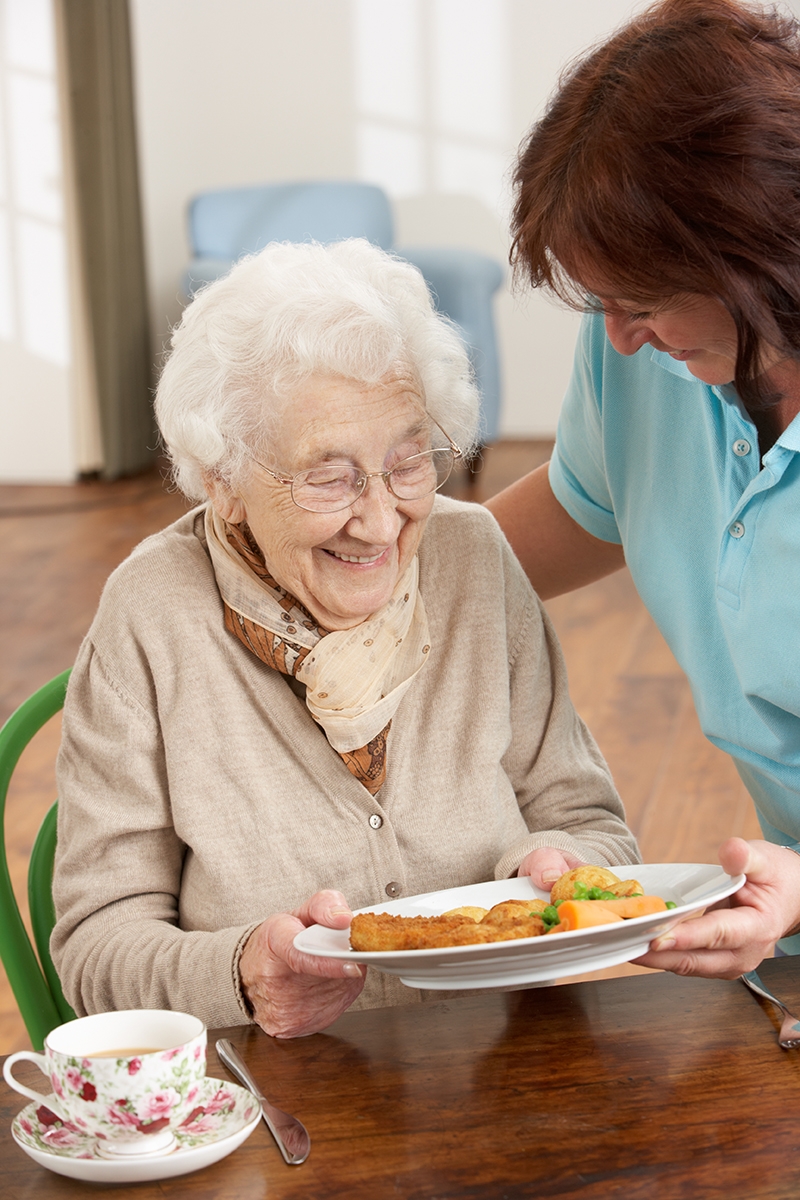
[582, 914]
[634, 906]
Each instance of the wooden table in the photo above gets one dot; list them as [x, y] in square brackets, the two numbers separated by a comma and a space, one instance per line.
[644, 1086]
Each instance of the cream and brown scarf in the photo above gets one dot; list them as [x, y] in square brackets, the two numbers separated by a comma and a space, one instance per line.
[355, 678]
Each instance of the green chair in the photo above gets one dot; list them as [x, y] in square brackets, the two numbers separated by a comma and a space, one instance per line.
[36, 987]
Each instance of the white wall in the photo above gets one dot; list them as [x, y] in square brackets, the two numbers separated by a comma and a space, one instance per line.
[252, 91]
[249, 91]
[37, 434]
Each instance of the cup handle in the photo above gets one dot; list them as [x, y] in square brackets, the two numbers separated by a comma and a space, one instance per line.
[41, 1063]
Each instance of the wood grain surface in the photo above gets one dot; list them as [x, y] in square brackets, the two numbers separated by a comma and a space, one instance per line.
[648, 1088]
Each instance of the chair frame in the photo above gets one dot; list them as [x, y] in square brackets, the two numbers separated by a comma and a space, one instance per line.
[33, 981]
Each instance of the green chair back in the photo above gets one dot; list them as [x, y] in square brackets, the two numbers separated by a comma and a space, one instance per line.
[34, 982]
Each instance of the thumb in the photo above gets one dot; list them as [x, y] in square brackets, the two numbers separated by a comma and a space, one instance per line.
[738, 857]
[545, 866]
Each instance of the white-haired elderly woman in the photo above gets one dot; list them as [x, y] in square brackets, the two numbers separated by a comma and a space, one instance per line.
[324, 686]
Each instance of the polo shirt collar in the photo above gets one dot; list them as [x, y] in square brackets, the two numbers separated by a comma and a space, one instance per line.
[789, 439]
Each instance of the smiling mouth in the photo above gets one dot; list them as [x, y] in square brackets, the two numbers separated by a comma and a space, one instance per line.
[352, 558]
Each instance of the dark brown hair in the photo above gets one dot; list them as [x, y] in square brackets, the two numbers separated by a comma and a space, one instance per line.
[667, 162]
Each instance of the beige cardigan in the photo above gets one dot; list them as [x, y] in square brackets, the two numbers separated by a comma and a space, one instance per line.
[197, 795]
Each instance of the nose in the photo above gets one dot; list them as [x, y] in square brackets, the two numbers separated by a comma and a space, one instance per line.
[375, 512]
[626, 334]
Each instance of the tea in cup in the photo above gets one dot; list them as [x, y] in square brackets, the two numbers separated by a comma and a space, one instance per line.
[128, 1078]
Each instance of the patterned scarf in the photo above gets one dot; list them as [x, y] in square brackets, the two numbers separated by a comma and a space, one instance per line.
[355, 678]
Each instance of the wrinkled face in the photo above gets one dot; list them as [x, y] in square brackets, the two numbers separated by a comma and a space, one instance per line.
[697, 330]
[341, 566]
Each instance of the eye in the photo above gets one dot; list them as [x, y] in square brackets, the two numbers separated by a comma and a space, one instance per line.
[325, 478]
[638, 316]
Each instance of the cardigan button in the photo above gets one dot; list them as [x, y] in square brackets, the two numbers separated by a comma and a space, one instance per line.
[375, 821]
[392, 889]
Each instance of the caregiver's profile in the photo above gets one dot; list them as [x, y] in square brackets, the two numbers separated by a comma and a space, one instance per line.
[660, 193]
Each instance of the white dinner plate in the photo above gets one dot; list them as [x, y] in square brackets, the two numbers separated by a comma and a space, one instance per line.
[692, 887]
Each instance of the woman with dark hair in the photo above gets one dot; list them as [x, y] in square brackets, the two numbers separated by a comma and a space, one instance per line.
[660, 193]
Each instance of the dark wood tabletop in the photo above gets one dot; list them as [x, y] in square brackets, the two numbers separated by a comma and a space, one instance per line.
[642, 1086]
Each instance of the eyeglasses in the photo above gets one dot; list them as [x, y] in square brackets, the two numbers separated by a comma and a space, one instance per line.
[331, 488]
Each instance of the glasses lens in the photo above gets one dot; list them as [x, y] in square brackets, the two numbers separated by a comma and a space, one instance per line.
[421, 474]
[326, 489]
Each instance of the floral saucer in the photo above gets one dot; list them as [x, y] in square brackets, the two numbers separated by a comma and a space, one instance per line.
[223, 1115]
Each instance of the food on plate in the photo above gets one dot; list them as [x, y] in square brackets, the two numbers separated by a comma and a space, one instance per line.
[467, 910]
[382, 931]
[581, 898]
[590, 877]
[581, 914]
[513, 909]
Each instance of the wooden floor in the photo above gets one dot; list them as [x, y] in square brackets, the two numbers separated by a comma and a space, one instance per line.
[58, 544]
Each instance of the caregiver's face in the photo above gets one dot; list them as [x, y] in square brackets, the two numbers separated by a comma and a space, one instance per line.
[697, 330]
[342, 566]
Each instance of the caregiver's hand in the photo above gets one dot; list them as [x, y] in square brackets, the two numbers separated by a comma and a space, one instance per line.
[290, 993]
[736, 935]
[546, 865]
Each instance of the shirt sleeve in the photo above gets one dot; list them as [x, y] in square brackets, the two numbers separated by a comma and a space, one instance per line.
[577, 468]
[117, 943]
[563, 785]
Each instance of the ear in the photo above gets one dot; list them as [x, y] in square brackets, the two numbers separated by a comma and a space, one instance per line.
[228, 505]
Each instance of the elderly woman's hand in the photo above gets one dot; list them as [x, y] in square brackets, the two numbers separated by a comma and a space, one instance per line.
[291, 993]
[736, 935]
[546, 865]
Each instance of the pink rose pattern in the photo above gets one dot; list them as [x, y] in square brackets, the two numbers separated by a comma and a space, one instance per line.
[219, 1113]
[139, 1111]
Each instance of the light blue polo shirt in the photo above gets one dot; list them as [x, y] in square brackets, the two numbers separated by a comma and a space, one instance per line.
[650, 457]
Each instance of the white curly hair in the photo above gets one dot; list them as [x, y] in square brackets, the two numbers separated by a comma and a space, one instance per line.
[294, 311]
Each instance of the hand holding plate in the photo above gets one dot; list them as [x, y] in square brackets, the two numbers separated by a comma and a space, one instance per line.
[734, 936]
[292, 993]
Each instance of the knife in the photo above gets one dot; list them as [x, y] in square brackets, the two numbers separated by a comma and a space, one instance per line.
[290, 1134]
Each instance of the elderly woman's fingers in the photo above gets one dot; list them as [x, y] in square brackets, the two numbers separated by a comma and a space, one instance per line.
[280, 934]
[328, 908]
[546, 865]
[290, 993]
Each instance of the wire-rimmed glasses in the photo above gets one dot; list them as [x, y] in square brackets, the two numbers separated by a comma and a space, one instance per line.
[329, 488]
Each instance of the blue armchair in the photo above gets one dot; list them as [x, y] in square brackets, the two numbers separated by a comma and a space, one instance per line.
[225, 224]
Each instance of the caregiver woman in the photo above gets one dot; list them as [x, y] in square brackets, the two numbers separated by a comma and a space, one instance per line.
[323, 687]
[661, 192]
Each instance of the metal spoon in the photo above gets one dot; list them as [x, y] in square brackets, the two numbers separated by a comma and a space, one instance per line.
[290, 1134]
[789, 1036]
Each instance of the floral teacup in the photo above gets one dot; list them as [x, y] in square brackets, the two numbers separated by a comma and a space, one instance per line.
[127, 1078]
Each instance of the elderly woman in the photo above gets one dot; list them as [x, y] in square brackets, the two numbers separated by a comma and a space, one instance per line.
[322, 687]
[661, 192]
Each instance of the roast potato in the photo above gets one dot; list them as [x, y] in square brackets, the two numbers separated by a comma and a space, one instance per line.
[589, 876]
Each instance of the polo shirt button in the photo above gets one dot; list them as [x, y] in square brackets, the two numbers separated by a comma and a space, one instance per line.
[392, 889]
[741, 447]
[736, 530]
[375, 821]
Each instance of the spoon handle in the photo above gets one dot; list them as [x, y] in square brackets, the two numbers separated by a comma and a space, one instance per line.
[290, 1134]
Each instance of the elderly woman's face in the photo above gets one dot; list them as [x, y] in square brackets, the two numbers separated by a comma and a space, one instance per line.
[341, 566]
